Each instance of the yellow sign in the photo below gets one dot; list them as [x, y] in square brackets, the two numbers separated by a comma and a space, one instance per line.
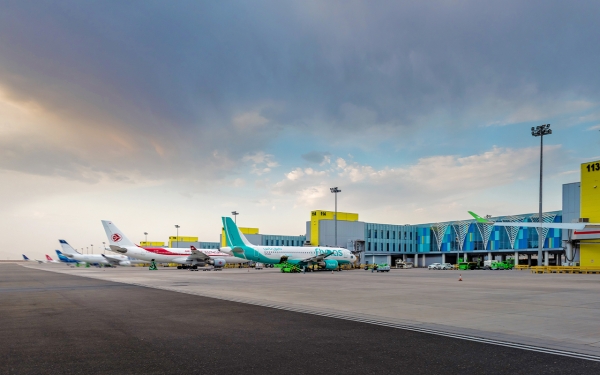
[590, 208]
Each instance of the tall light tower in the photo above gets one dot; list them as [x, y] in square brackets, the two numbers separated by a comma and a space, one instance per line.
[92, 245]
[146, 235]
[335, 191]
[177, 238]
[541, 131]
[235, 213]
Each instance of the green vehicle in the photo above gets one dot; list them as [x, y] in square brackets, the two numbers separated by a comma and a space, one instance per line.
[467, 265]
[499, 265]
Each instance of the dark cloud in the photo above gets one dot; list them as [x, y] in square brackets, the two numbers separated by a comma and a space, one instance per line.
[315, 156]
[211, 81]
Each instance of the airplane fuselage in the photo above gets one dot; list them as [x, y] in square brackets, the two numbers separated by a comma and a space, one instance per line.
[176, 255]
[291, 254]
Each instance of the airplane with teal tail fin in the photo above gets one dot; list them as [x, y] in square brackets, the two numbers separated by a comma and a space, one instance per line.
[330, 258]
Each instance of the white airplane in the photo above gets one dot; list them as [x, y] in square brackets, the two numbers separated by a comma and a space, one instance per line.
[104, 259]
[25, 258]
[50, 260]
[329, 258]
[191, 257]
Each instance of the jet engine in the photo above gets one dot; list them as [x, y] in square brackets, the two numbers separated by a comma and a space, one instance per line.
[218, 262]
[124, 263]
[330, 264]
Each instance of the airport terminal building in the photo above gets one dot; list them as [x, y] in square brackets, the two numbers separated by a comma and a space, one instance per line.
[441, 242]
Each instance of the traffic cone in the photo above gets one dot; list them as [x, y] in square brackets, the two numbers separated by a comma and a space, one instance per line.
[460, 277]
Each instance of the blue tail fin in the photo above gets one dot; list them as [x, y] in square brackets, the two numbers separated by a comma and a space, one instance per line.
[234, 237]
[25, 257]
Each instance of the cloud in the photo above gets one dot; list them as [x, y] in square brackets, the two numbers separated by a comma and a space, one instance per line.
[168, 90]
[316, 157]
[261, 162]
[432, 180]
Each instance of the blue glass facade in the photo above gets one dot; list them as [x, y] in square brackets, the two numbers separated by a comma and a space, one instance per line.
[499, 238]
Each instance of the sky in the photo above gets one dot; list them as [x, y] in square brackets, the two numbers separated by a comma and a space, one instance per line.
[152, 114]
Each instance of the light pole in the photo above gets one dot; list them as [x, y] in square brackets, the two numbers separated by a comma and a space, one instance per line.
[146, 234]
[87, 250]
[104, 247]
[235, 213]
[177, 238]
[92, 245]
[335, 191]
[541, 131]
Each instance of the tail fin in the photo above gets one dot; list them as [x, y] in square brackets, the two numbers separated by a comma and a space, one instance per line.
[25, 257]
[48, 258]
[192, 247]
[115, 236]
[61, 256]
[479, 218]
[234, 236]
[66, 248]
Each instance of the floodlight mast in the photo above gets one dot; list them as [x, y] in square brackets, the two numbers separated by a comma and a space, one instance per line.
[177, 238]
[335, 190]
[541, 131]
[235, 213]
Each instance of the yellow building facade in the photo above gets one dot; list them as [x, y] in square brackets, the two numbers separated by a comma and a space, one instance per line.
[173, 240]
[316, 216]
[590, 209]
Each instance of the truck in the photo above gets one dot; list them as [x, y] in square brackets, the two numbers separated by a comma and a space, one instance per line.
[499, 265]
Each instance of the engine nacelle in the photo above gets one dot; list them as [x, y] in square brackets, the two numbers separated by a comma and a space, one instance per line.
[331, 264]
[218, 262]
[125, 263]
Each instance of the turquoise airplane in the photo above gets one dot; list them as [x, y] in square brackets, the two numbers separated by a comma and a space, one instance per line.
[330, 258]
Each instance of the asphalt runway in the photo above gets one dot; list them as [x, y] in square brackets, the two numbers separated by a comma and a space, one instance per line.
[53, 323]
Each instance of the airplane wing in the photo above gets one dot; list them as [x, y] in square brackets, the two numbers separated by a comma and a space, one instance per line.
[198, 254]
[575, 226]
[317, 258]
[112, 260]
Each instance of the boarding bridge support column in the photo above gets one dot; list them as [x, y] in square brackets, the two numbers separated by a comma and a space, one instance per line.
[424, 264]
[547, 258]
[516, 258]
[443, 258]
[529, 260]
[489, 257]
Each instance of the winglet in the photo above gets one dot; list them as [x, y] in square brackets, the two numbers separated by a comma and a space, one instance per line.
[479, 218]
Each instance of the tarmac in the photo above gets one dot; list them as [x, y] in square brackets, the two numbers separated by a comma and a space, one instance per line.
[60, 323]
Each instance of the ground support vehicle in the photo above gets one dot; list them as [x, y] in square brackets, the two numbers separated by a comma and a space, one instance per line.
[467, 266]
[290, 268]
[383, 268]
[402, 264]
[434, 266]
[446, 266]
[498, 265]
